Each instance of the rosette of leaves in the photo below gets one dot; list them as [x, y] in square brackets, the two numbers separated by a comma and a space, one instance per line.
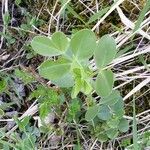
[70, 68]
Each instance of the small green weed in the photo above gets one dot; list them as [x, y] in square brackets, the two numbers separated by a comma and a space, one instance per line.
[71, 69]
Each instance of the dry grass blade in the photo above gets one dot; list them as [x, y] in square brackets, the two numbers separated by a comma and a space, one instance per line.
[137, 88]
[4, 11]
[130, 24]
[132, 70]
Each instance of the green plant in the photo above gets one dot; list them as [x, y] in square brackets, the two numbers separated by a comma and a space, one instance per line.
[3, 85]
[17, 2]
[135, 134]
[71, 69]
[24, 75]
[143, 142]
[107, 117]
[25, 139]
[47, 99]
[74, 109]
[6, 33]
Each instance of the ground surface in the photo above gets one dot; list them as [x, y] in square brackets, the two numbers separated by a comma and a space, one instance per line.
[20, 21]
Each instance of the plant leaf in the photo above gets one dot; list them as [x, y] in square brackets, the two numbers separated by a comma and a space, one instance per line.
[83, 44]
[113, 122]
[76, 15]
[105, 51]
[3, 85]
[123, 125]
[104, 83]
[65, 82]
[87, 88]
[60, 41]
[74, 108]
[118, 108]
[142, 15]
[98, 15]
[135, 125]
[54, 70]
[55, 46]
[104, 113]
[102, 137]
[24, 75]
[1, 112]
[17, 2]
[92, 113]
[76, 89]
[22, 123]
[111, 99]
[44, 109]
[112, 133]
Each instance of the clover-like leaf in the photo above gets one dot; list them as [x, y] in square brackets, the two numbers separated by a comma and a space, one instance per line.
[83, 44]
[123, 125]
[104, 83]
[105, 51]
[118, 108]
[54, 46]
[60, 41]
[104, 113]
[92, 113]
[102, 137]
[54, 70]
[113, 122]
[111, 99]
[112, 133]
[65, 81]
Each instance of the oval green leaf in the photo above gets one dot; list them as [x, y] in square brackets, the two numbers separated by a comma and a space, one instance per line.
[83, 44]
[112, 133]
[104, 113]
[113, 122]
[92, 113]
[104, 83]
[60, 41]
[54, 70]
[105, 51]
[102, 137]
[118, 108]
[123, 125]
[111, 99]
[65, 81]
[54, 46]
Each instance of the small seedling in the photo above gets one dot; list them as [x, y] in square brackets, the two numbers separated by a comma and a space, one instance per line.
[71, 69]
